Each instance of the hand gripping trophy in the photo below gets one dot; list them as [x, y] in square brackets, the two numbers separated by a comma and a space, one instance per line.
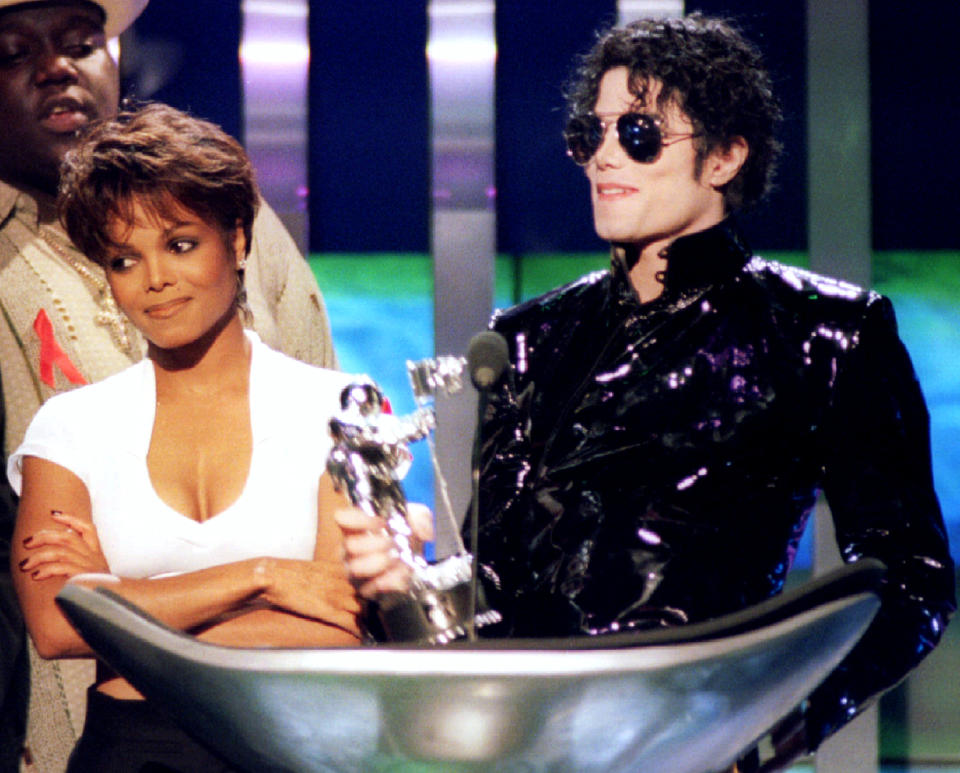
[368, 461]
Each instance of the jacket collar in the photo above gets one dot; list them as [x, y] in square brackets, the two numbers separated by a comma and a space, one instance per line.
[694, 262]
[38, 207]
[8, 199]
[706, 258]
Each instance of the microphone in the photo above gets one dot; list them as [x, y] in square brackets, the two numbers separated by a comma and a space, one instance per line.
[487, 359]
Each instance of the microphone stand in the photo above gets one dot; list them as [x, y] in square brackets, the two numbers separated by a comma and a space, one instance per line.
[487, 359]
[475, 510]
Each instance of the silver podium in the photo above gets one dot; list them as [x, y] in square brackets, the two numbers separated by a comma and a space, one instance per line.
[684, 700]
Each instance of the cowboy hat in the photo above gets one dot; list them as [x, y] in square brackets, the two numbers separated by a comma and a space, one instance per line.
[119, 13]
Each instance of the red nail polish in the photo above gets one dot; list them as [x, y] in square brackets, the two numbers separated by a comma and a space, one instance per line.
[23, 563]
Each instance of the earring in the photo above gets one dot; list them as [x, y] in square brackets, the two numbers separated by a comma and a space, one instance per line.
[242, 264]
[246, 316]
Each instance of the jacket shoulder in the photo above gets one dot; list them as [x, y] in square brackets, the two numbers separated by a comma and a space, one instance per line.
[799, 288]
[552, 303]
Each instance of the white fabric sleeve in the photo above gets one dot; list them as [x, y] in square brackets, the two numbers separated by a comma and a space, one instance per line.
[52, 435]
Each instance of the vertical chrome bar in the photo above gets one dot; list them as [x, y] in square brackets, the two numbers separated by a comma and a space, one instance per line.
[461, 53]
[839, 240]
[838, 131]
[631, 10]
[274, 58]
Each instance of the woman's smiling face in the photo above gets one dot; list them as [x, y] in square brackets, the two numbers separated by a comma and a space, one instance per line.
[173, 274]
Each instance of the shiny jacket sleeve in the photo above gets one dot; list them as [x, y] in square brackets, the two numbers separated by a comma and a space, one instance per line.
[878, 483]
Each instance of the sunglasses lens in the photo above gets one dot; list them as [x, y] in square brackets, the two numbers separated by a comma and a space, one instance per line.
[638, 133]
[640, 136]
[583, 135]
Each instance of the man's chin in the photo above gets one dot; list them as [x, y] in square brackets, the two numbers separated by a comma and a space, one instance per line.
[617, 235]
[58, 145]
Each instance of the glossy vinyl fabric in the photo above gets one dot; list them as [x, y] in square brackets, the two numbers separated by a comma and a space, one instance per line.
[655, 464]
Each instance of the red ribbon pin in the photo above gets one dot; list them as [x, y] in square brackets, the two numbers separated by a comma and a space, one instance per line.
[52, 355]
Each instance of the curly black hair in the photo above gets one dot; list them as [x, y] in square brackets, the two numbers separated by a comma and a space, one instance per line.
[711, 72]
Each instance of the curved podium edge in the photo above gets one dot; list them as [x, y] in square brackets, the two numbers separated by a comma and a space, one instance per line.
[736, 676]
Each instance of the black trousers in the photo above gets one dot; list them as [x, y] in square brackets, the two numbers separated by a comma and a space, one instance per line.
[134, 737]
[14, 673]
[14, 666]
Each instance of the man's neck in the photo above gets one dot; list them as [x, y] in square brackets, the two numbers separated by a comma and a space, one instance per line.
[646, 273]
[647, 263]
[43, 202]
[36, 185]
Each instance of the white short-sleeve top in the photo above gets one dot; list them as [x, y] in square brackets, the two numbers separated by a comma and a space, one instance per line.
[101, 433]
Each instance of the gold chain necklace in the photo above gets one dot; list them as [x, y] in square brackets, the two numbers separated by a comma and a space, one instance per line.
[109, 314]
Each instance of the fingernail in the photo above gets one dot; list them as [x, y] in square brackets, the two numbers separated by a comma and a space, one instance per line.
[36, 573]
[23, 563]
[27, 541]
[56, 512]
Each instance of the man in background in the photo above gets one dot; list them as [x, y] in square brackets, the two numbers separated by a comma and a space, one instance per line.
[59, 326]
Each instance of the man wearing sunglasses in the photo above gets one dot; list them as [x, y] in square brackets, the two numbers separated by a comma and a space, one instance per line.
[659, 447]
[670, 421]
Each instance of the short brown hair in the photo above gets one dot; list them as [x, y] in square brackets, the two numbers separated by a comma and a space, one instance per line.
[163, 158]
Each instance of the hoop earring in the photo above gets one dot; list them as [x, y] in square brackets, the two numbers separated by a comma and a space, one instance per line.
[246, 315]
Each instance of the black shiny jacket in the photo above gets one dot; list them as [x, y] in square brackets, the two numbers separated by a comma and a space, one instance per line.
[655, 464]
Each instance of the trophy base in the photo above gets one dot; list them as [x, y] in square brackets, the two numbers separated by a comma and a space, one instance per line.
[438, 609]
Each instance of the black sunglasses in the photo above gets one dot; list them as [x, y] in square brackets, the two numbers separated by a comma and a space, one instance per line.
[639, 135]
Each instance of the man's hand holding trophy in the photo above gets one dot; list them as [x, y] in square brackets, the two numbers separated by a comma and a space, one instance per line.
[414, 600]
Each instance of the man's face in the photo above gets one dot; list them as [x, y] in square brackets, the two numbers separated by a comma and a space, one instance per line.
[647, 204]
[56, 76]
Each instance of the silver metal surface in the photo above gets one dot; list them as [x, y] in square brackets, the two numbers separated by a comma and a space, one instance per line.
[463, 288]
[838, 139]
[631, 10]
[368, 461]
[683, 708]
[461, 54]
[274, 58]
[840, 243]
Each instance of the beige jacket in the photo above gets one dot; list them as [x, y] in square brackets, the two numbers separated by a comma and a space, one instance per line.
[51, 340]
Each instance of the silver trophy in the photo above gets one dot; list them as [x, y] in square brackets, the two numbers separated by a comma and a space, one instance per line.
[369, 460]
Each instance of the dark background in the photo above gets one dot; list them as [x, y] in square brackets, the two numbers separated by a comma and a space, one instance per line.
[369, 107]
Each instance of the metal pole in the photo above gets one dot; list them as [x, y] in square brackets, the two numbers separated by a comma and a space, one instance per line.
[275, 57]
[839, 238]
[461, 52]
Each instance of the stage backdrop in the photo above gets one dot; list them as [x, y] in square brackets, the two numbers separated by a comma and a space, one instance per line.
[369, 203]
